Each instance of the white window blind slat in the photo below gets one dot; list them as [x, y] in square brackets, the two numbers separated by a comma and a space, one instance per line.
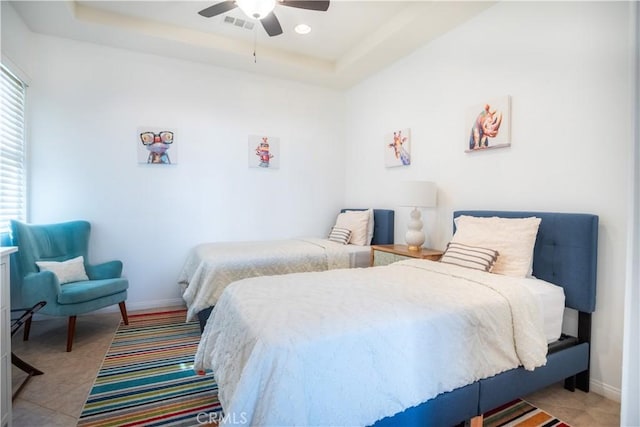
[12, 149]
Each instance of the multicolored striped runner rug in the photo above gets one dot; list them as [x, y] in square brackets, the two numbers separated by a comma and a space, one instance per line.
[147, 377]
[519, 413]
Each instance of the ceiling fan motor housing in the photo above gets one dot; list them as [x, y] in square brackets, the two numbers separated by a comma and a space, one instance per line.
[256, 9]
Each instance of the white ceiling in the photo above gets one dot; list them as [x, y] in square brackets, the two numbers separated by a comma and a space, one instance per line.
[349, 42]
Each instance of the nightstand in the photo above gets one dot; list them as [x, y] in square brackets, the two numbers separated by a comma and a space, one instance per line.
[387, 254]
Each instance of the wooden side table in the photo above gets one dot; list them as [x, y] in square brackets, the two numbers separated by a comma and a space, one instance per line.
[387, 254]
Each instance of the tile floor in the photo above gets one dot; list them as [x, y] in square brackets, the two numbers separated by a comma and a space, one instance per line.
[57, 397]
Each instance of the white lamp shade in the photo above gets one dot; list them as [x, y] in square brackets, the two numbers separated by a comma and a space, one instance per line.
[418, 194]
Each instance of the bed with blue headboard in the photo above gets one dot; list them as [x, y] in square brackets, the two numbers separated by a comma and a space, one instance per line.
[564, 254]
[209, 267]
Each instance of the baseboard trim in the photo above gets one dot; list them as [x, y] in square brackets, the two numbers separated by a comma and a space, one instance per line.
[144, 305]
[131, 307]
[598, 387]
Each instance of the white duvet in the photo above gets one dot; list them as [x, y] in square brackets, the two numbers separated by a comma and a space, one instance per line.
[349, 347]
[210, 267]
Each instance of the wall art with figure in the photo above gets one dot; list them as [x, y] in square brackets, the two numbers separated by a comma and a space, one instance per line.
[489, 125]
[156, 145]
[264, 152]
[397, 148]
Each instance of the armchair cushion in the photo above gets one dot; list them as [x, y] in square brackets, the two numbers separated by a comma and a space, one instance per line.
[78, 292]
[71, 270]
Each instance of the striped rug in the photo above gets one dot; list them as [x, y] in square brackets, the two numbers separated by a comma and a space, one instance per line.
[519, 413]
[147, 377]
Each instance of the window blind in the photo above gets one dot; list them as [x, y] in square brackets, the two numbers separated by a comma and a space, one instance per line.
[12, 149]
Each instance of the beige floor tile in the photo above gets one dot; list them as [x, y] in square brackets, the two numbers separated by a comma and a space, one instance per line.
[28, 414]
[56, 398]
[579, 409]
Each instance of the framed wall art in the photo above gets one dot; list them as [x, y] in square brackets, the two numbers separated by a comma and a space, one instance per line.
[489, 124]
[264, 152]
[156, 145]
[397, 148]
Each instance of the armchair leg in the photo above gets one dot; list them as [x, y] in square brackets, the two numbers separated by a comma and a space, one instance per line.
[70, 332]
[123, 311]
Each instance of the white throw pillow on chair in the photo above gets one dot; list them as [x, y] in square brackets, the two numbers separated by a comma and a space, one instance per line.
[71, 270]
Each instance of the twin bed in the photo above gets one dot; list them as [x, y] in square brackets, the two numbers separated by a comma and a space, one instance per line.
[210, 267]
[413, 343]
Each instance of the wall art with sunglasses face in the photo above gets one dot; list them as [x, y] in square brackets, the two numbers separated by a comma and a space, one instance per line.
[154, 145]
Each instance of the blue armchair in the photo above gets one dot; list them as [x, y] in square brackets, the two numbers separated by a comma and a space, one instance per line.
[59, 243]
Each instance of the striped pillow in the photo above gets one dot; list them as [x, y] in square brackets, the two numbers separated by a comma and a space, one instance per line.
[469, 256]
[340, 235]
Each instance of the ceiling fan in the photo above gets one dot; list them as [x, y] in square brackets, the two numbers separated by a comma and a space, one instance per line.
[262, 10]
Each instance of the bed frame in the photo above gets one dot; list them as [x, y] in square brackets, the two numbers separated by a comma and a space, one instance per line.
[565, 254]
[383, 234]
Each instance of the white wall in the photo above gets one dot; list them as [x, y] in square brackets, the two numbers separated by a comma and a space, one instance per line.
[566, 67]
[86, 103]
[630, 407]
[15, 42]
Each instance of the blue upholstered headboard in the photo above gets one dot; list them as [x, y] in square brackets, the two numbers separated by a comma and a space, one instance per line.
[383, 225]
[565, 253]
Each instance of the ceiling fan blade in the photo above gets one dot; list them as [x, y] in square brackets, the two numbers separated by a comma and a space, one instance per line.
[218, 8]
[271, 25]
[321, 5]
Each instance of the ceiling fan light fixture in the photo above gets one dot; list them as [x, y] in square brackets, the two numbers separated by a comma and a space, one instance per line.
[302, 29]
[256, 9]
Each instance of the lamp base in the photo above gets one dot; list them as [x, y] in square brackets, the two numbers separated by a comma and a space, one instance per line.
[414, 236]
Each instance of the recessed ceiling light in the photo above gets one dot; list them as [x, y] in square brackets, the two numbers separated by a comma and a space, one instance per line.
[303, 29]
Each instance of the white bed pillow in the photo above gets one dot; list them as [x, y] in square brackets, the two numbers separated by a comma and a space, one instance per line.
[358, 223]
[71, 270]
[370, 225]
[513, 238]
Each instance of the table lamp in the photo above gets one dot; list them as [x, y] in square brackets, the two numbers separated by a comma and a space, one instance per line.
[417, 194]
